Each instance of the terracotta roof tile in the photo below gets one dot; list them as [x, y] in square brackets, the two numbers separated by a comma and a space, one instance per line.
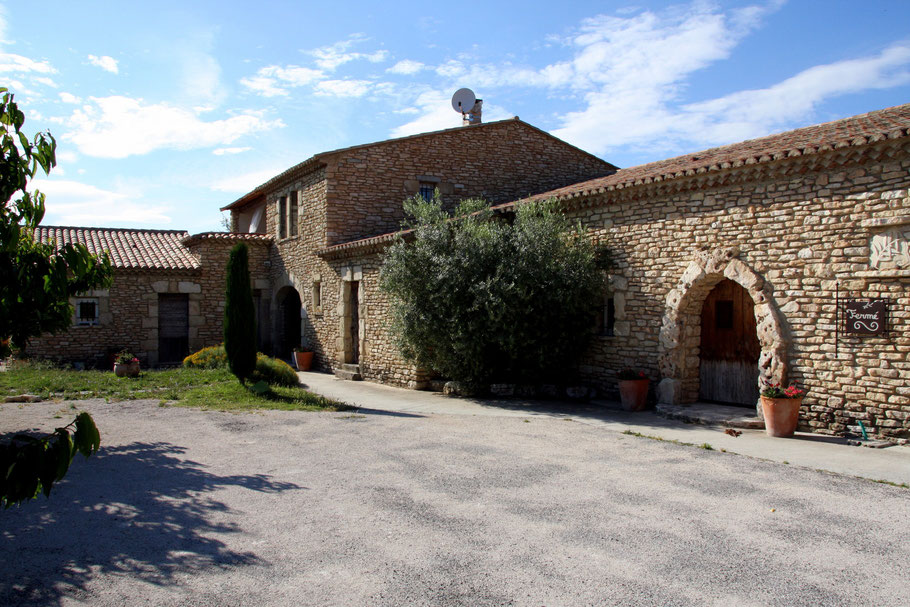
[128, 248]
[230, 236]
[890, 123]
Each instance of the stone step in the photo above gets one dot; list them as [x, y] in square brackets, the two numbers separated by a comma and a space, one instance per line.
[712, 415]
[348, 372]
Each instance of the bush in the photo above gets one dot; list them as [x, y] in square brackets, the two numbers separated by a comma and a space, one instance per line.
[481, 299]
[213, 357]
[272, 371]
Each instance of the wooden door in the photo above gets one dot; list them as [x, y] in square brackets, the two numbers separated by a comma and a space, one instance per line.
[729, 346]
[173, 327]
[355, 322]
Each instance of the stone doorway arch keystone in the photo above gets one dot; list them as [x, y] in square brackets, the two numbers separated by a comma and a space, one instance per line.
[680, 330]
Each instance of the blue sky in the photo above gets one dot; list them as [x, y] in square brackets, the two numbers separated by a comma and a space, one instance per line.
[166, 111]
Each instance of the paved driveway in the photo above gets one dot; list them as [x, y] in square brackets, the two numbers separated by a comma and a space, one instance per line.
[184, 507]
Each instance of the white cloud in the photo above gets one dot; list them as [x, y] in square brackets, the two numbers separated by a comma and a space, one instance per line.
[45, 81]
[631, 70]
[225, 151]
[199, 70]
[270, 80]
[796, 97]
[343, 88]
[117, 127]
[406, 67]
[66, 156]
[17, 63]
[240, 184]
[69, 98]
[331, 56]
[647, 116]
[267, 87]
[105, 62]
[76, 203]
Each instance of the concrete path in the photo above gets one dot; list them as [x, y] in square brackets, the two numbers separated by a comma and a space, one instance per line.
[813, 451]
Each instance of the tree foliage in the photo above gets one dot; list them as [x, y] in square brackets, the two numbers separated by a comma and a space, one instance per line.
[480, 299]
[239, 316]
[32, 464]
[36, 279]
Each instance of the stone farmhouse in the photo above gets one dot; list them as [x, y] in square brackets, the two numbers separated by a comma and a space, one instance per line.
[784, 258]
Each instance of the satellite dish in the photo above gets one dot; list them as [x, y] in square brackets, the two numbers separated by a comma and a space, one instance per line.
[463, 100]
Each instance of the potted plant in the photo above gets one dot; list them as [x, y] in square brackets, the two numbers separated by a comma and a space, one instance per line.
[780, 408]
[303, 358]
[125, 364]
[633, 389]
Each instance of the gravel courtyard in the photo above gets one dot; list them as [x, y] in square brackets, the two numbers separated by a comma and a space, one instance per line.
[186, 507]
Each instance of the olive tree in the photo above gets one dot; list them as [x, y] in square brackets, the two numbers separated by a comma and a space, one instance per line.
[483, 297]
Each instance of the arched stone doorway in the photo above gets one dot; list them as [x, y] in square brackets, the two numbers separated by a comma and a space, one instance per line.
[288, 321]
[680, 333]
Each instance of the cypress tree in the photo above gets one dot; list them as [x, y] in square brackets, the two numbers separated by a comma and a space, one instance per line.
[239, 321]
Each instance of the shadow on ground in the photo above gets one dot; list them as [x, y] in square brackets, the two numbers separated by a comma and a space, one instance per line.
[137, 510]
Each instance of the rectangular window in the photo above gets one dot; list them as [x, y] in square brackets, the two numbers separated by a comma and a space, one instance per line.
[317, 298]
[292, 213]
[605, 318]
[427, 190]
[87, 311]
[609, 317]
[282, 217]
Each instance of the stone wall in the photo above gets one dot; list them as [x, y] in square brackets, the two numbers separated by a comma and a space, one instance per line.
[128, 317]
[793, 233]
[213, 251]
[359, 192]
[499, 161]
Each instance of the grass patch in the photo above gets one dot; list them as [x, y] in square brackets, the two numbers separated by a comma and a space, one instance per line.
[231, 396]
[190, 387]
[893, 484]
[705, 446]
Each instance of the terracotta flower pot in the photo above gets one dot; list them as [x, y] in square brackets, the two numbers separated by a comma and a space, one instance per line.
[126, 369]
[633, 394]
[303, 360]
[781, 415]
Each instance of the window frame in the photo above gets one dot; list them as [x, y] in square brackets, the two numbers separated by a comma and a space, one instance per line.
[293, 212]
[82, 321]
[281, 206]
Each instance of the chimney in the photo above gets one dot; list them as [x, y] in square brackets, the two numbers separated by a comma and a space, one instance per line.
[473, 116]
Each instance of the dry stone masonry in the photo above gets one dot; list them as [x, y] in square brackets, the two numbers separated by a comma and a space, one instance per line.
[797, 221]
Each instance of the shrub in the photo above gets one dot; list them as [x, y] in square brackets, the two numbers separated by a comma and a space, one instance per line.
[481, 299]
[213, 357]
[272, 371]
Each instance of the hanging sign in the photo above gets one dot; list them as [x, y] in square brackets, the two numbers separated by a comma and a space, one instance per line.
[866, 317]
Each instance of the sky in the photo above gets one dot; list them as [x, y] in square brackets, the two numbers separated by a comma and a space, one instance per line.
[166, 111]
